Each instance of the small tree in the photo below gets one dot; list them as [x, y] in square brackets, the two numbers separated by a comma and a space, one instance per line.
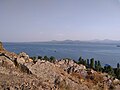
[52, 59]
[39, 57]
[96, 66]
[108, 69]
[88, 63]
[117, 71]
[33, 58]
[80, 60]
[92, 63]
[84, 62]
[99, 66]
[46, 58]
[118, 66]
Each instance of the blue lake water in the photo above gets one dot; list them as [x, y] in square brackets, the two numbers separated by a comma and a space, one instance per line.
[106, 53]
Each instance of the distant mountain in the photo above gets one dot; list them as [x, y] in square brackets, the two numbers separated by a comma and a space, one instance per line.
[97, 41]
[66, 42]
[106, 41]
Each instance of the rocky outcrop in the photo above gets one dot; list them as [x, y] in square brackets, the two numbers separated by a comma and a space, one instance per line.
[57, 78]
[1, 46]
[70, 66]
[43, 76]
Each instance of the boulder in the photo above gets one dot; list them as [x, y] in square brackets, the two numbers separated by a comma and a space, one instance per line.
[20, 60]
[46, 70]
[116, 81]
[23, 58]
[6, 62]
[23, 55]
[70, 66]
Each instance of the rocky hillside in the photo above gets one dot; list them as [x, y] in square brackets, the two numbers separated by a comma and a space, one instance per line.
[19, 72]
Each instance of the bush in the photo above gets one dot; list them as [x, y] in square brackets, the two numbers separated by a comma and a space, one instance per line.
[39, 57]
[52, 59]
[46, 58]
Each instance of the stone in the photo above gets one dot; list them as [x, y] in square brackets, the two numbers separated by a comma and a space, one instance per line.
[116, 81]
[23, 58]
[6, 62]
[23, 55]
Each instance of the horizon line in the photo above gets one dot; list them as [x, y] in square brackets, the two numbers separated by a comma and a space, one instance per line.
[92, 40]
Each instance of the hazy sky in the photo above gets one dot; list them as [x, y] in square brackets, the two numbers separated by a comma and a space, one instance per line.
[44, 20]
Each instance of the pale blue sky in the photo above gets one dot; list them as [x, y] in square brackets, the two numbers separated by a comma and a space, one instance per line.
[44, 20]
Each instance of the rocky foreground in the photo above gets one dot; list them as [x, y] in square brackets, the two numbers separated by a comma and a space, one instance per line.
[19, 72]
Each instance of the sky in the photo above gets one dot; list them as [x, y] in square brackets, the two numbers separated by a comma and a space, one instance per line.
[45, 20]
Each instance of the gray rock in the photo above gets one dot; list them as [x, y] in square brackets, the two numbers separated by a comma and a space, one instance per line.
[70, 66]
[4, 61]
[23, 55]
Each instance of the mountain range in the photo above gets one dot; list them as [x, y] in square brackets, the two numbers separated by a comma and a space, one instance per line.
[106, 41]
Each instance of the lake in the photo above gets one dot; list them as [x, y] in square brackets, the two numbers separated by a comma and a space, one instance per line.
[106, 53]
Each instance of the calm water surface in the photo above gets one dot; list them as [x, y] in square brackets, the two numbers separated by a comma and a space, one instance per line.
[107, 54]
